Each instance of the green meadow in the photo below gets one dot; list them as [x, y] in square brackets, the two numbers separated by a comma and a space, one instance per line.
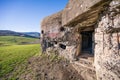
[14, 57]
[13, 40]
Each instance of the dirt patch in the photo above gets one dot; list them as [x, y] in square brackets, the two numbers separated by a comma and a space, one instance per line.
[45, 68]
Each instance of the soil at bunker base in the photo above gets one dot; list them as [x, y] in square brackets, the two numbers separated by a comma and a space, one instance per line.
[43, 68]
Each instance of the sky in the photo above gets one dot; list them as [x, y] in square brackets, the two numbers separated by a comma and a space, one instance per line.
[26, 15]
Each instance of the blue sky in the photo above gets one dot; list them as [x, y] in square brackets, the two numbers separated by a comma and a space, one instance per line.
[25, 15]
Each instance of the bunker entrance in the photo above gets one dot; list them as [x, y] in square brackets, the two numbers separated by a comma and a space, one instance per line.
[87, 42]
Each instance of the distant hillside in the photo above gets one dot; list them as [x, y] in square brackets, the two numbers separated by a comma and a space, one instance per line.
[24, 34]
[35, 34]
[13, 40]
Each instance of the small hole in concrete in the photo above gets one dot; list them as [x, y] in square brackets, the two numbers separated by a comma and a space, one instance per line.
[62, 46]
[55, 42]
[119, 45]
[50, 44]
[62, 29]
[42, 32]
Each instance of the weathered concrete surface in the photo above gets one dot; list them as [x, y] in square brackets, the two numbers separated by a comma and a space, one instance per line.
[78, 11]
[51, 24]
[87, 15]
[85, 68]
[107, 40]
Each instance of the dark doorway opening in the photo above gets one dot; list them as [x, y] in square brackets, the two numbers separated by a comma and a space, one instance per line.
[87, 42]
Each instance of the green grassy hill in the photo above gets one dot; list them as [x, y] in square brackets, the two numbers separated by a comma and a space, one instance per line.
[14, 40]
[14, 55]
[13, 59]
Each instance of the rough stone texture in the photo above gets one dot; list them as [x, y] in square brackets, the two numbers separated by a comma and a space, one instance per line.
[86, 72]
[68, 53]
[107, 56]
[75, 8]
[51, 25]
[71, 40]
[82, 11]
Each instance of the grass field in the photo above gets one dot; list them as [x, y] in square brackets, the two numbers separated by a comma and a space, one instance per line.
[14, 56]
[13, 40]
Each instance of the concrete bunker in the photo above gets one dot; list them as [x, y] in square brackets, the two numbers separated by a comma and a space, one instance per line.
[87, 29]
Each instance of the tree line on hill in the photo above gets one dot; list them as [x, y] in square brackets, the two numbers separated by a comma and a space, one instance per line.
[22, 34]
